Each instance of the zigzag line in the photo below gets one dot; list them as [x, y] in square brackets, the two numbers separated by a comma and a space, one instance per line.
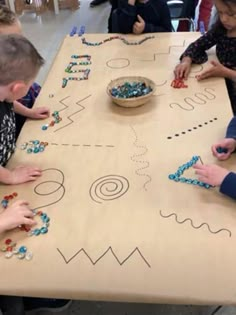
[94, 262]
[134, 159]
[195, 227]
[69, 117]
[66, 106]
[165, 53]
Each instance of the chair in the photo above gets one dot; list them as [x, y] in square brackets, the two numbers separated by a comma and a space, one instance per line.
[179, 11]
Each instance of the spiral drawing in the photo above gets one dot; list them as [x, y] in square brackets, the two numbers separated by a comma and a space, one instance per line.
[108, 188]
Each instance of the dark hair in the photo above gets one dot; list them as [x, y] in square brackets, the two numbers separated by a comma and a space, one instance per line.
[217, 25]
[7, 17]
[19, 59]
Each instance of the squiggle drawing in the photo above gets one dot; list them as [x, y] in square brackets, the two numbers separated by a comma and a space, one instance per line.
[199, 98]
[109, 250]
[195, 227]
[135, 158]
[81, 107]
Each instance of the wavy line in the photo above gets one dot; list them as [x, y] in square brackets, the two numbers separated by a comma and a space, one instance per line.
[195, 227]
[109, 249]
[76, 112]
[134, 159]
[165, 53]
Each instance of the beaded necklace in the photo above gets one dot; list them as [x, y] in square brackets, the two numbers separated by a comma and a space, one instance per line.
[125, 41]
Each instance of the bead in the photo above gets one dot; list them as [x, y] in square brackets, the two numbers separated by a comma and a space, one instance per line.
[8, 241]
[221, 150]
[8, 254]
[29, 256]
[22, 249]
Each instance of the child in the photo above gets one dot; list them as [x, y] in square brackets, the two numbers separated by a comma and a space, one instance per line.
[139, 16]
[19, 65]
[216, 175]
[9, 24]
[223, 35]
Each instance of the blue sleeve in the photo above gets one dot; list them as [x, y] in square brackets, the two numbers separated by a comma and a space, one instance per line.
[231, 129]
[126, 16]
[164, 23]
[228, 186]
[197, 50]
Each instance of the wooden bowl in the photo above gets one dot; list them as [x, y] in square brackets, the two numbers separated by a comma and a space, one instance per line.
[134, 101]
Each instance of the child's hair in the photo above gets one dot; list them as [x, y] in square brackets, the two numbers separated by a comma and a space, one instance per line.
[19, 59]
[7, 17]
[217, 25]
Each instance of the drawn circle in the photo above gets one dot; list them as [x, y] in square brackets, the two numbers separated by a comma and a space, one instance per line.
[118, 63]
[108, 188]
[37, 190]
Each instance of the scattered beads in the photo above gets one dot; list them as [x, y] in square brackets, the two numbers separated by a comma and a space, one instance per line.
[130, 90]
[176, 176]
[178, 84]
[10, 249]
[6, 199]
[56, 120]
[221, 150]
[34, 146]
[116, 37]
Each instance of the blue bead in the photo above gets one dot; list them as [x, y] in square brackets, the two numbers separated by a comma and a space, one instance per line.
[43, 230]
[36, 232]
[22, 249]
[171, 176]
[221, 150]
[182, 179]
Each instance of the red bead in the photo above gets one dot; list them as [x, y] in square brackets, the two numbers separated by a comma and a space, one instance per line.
[8, 241]
[9, 248]
[15, 194]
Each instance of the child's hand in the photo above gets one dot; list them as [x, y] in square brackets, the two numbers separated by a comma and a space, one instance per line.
[217, 70]
[211, 174]
[22, 174]
[39, 113]
[228, 144]
[139, 26]
[183, 68]
[16, 214]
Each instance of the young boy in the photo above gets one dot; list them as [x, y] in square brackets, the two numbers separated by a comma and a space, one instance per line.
[19, 65]
[139, 16]
[9, 24]
[216, 175]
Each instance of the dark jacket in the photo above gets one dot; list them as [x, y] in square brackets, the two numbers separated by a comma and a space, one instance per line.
[228, 186]
[154, 12]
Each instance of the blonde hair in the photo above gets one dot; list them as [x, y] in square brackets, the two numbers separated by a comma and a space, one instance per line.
[19, 59]
[7, 17]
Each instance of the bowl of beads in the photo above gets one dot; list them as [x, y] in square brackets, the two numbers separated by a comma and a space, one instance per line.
[131, 91]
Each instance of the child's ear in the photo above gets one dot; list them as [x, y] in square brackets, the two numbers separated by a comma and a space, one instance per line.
[17, 86]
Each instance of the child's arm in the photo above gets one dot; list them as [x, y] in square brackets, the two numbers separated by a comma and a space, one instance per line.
[35, 113]
[229, 143]
[217, 176]
[19, 175]
[16, 214]
[195, 53]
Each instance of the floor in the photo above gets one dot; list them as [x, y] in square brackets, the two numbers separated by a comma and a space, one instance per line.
[47, 32]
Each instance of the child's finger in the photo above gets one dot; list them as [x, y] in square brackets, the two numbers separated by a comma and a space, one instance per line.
[28, 221]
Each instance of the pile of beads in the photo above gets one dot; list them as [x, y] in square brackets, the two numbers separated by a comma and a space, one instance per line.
[56, 120]
[176, 176]
[10, 249]
[116, 37]
[84, 77]
[34, 146]
[130, 90]
[6, 199]
[178, 84]
[40, 230]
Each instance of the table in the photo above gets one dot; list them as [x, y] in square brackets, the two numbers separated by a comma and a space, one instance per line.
[120, 230]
